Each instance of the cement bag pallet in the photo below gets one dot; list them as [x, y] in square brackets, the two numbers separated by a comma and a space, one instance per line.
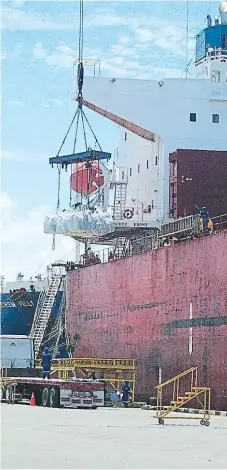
[79, 223]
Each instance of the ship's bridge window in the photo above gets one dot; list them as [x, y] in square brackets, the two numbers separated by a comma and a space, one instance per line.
[130, 172]
[215, 118]
[139, 168]
[147, 164]
[192, 117]
[216, 76]
[126, 136]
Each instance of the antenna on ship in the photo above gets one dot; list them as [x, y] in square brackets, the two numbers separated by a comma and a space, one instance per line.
[187, 34]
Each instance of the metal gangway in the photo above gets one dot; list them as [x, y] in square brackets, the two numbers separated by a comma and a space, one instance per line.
[44, 306]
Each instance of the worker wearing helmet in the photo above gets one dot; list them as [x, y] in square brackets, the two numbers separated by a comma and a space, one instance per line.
[46, 363]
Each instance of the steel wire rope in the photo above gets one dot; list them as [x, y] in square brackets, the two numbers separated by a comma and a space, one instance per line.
[74, 149]
[59, 170]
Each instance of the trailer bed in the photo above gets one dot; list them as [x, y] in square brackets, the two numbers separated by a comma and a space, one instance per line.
[75, 393]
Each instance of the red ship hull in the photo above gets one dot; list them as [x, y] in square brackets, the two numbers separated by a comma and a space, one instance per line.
[139, 307]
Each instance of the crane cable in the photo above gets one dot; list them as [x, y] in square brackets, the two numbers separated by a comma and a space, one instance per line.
[59, 171]
[79, 112]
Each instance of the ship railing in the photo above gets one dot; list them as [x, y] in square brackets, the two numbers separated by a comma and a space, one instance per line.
[39, 305]
[139, 245]
[217, 52]
[190, 223]
[120, 175]
[220, 222]
[187, 226]
[93, 363]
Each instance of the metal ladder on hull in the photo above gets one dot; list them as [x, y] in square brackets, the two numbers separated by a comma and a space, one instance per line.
[44, 309]
[120, 248]
[119, 201]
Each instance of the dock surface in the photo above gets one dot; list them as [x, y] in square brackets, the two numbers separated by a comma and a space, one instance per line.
[36, 437]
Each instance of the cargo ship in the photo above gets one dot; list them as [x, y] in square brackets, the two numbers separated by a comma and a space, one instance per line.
[157, 292]
[20, 305]
[161, 299]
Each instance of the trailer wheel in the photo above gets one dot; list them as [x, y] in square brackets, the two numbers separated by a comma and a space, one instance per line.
[54, 398]
[38, 397]
[45, 397]
[207, 422]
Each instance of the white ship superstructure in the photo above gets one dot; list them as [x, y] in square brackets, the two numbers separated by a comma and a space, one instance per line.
[179, 113]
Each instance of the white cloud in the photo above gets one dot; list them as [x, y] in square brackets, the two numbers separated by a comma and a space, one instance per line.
[54, 102]
[39, 52]
[25, 247]
[120, 49]
[62, 57]
[168, 38]
[19, 156]
[18, 103]
[17, 3]
[14, 53]
[15, 19]
[6, 154]
[144, 34]
[5, 204]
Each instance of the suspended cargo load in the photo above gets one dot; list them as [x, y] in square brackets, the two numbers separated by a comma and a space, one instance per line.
[82, 223]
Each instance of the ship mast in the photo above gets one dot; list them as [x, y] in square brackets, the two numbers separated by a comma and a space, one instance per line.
[187, 33]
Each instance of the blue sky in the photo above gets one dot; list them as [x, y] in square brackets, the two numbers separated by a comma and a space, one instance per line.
[39, 44]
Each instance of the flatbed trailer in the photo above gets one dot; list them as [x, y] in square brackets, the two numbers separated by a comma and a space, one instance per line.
[56, 393]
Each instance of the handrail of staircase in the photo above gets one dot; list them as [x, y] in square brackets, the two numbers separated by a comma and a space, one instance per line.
[182, 374]
[39, 304]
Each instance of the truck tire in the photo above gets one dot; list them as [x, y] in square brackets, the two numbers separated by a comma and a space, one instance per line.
[38, 397]
[54, 398]
[45, 397]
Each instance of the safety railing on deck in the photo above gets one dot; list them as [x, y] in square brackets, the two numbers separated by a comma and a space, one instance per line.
[187, 226]
[220, 223]
[93, 363]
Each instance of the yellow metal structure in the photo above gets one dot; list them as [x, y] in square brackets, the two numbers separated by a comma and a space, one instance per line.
[178, 400]
[3, 379]
[114, 371]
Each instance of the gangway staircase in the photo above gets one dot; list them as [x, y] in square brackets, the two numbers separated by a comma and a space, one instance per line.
[44, 307]
[179, 400]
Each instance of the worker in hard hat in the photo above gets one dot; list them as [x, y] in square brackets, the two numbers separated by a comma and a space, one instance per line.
[46, 363]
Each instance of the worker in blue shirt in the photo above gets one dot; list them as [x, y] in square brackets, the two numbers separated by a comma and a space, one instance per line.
[46, 363]
[126, 392]
[204, 214]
